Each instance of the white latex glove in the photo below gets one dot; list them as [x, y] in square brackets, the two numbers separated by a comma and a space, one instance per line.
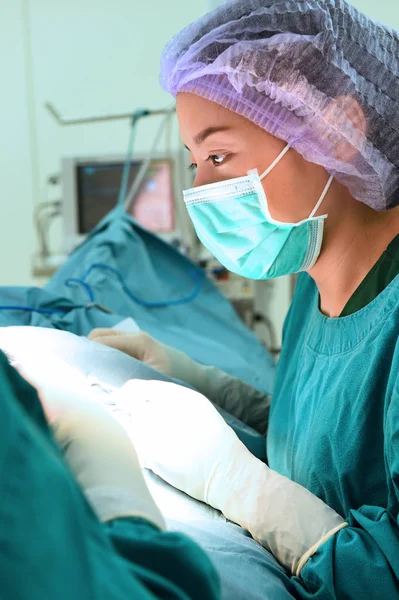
[96, 447]
[139, 345]
[240, 399]
[182, 438]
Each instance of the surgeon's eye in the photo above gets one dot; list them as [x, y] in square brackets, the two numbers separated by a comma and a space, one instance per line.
[217, 159]
[192, 167]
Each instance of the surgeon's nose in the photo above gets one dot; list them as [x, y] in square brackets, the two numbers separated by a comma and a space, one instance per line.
[198, 180]
[204, 177]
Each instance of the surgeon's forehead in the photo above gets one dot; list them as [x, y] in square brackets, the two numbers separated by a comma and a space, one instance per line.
[199, 109]
[197, 115]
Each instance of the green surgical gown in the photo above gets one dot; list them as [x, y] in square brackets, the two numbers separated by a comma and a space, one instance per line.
[334, 429]
[53, 547]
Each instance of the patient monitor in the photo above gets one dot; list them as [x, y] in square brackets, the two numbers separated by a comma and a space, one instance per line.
[91, 184]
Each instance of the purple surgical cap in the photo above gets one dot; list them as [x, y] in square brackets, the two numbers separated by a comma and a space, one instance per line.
[289, 66]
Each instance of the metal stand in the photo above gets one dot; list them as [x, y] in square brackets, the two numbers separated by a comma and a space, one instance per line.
[61, 120]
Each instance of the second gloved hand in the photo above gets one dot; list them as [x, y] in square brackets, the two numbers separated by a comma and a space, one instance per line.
[182, 438]
[138, 345]
[237, 397]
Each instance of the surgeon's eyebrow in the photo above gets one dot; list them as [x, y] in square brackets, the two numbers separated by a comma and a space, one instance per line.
[201, 137]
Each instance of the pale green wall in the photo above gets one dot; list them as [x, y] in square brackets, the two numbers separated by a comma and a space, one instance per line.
[16, 230]
[386, 11]
[86, 56]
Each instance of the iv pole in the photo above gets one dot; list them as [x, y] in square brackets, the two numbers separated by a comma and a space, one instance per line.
[167, 112]
[62, 120]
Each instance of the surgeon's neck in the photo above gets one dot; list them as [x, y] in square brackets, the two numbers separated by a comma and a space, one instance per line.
[355, 237]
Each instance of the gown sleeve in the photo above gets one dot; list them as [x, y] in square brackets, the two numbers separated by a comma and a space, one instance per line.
[362, 560]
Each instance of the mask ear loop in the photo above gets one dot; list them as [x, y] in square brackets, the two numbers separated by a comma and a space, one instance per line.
[324, 194]
[274, 163]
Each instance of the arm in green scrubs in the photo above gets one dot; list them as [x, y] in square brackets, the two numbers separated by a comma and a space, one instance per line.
[52, 544]
[334, 429]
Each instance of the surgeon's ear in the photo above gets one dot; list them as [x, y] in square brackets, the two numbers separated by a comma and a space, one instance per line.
[341, 110]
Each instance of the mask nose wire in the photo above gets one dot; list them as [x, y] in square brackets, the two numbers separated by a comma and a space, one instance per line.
[275, 162]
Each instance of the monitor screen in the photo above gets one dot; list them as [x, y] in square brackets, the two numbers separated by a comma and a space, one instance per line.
[98, 186]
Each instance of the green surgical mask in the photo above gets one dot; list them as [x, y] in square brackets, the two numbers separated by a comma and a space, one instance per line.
[232, 219]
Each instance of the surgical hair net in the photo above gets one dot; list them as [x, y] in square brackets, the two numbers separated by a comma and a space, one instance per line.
[293, 67]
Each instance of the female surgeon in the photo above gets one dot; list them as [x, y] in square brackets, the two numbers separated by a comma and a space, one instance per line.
[290, 110]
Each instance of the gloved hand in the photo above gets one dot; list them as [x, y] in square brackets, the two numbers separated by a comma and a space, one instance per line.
[182, 438]
[96, 447]
[138, 345]
[237, 397]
